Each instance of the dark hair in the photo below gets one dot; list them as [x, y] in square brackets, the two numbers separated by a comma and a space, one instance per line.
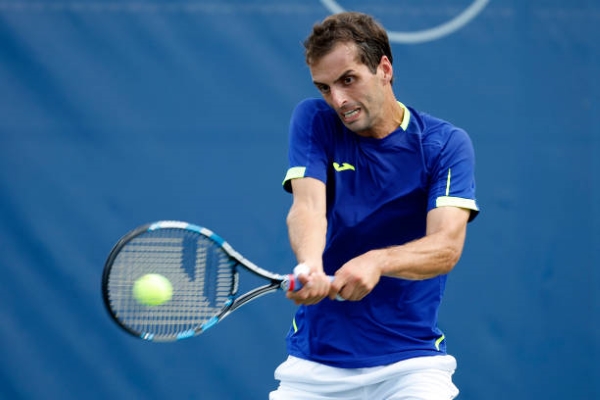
[349, 27]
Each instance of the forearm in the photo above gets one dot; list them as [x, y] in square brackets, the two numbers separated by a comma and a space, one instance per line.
[424, 258]
[434, 254]
[307, 232]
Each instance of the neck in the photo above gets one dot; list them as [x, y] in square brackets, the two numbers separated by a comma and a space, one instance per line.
[396, 116]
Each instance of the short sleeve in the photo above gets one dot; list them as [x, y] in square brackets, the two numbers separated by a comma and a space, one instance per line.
[452, 167]
[308, 138]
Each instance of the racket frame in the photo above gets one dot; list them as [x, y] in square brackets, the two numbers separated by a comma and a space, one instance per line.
[277, 282]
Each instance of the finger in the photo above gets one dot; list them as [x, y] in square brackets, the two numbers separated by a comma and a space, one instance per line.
[336, 296]
[335, 293]
[337, 285]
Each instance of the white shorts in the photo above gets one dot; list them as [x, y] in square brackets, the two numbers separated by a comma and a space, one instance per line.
[422, 378]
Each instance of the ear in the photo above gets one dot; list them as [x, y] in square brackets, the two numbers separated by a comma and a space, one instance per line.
[386, 68]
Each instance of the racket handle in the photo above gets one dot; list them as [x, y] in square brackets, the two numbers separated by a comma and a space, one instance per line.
[293, 284]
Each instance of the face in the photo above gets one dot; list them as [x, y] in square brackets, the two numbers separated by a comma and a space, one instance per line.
[352, 90]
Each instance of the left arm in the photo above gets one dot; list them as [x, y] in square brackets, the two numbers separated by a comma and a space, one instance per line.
[434, 254]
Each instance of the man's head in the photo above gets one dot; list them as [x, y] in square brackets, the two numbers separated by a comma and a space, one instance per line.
[369, 37]
[349, 58]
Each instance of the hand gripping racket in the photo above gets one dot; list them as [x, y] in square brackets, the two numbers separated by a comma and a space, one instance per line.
[202, 269]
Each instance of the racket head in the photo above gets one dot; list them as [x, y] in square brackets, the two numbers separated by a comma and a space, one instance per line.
[195, 260]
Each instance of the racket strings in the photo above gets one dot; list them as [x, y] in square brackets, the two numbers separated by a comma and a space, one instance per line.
[202, 274]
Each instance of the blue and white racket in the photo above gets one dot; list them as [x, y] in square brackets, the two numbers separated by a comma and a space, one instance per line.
[202, 269]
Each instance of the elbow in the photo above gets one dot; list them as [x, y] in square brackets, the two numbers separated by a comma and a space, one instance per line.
[292, 216]
[449, 257]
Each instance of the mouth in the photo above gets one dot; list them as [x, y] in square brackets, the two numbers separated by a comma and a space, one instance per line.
[350, 116]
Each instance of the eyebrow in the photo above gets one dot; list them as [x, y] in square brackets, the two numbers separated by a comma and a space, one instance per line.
[344, 74]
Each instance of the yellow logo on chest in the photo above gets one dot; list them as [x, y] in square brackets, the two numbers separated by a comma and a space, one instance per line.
[343, 167]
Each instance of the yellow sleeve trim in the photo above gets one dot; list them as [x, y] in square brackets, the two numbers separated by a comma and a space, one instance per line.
[449, 201]
[293, 173]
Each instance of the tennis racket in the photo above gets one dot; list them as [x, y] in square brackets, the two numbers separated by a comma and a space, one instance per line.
[202, 268]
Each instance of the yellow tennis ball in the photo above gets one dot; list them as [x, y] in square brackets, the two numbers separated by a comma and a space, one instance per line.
[152, 290]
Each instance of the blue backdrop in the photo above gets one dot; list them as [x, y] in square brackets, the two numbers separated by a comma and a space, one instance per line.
[117, 113]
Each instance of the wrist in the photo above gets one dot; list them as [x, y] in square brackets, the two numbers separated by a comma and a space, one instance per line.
[381, 262]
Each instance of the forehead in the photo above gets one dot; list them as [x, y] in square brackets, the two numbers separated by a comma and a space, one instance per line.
[341, 58]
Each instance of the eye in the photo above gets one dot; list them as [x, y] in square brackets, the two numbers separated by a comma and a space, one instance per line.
[323, 88]
[348, 80]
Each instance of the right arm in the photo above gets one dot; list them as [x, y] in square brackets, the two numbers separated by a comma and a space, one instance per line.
[307, 230]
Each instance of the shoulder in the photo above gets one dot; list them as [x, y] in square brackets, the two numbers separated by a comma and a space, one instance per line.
[315, 117]
[442, 142]
[436, 133]
[313, 108]
[434, 129]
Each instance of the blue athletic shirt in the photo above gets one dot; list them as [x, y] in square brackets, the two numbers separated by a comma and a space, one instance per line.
[378, 194]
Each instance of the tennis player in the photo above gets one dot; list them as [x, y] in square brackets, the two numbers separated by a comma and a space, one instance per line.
[382, 195]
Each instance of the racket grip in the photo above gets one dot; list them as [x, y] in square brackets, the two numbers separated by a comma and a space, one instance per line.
[293, 284]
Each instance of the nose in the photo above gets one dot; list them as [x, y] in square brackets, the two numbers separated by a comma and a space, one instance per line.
[338, 98]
